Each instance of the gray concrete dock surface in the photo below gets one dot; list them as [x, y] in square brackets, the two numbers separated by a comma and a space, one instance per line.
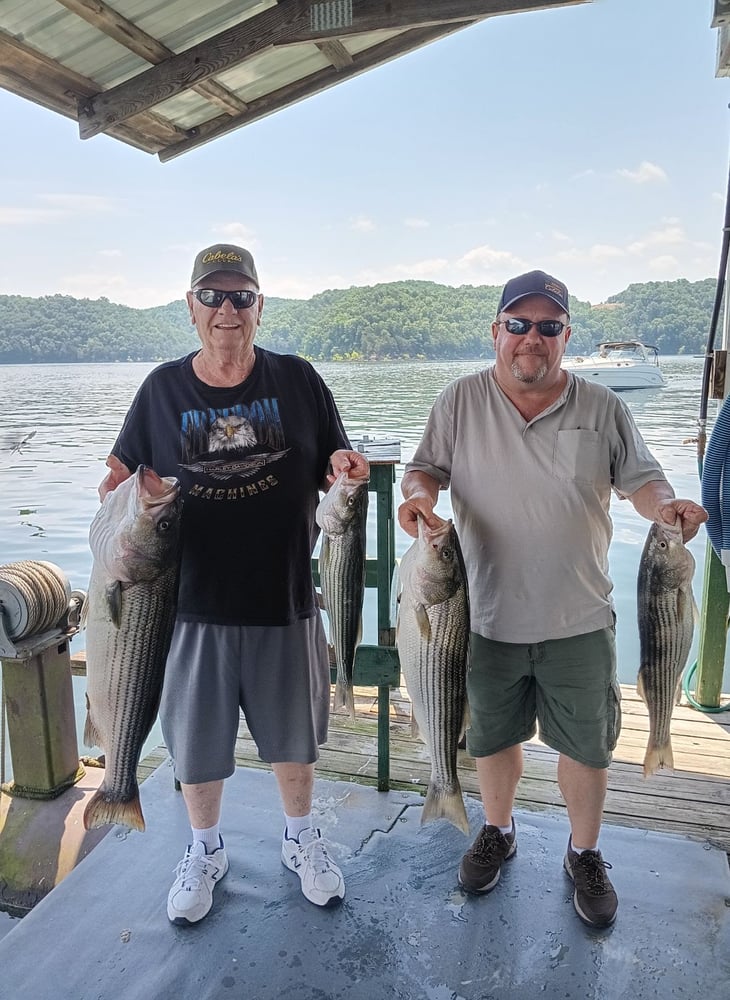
[405, 930]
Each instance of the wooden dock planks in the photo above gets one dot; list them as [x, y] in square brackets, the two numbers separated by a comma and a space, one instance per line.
[693, 800]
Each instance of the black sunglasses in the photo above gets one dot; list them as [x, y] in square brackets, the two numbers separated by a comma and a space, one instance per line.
[213, 298]
[546, 327]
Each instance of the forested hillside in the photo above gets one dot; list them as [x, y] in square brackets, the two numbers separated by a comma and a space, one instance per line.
[404, 319]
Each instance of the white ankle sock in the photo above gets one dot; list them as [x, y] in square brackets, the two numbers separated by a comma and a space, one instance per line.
[295, 825]
[504, 830]
[210, 837]
[580, 850]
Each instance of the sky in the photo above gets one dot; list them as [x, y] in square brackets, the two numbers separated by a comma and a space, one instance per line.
[590, 141]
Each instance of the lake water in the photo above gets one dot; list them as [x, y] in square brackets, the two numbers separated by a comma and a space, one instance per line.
[48, 486]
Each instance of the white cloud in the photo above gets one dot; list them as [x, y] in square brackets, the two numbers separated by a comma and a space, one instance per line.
[55, 208]
[486, 259]
[560, 237]
[362, 224]
[110, 253]
[664, 266]
[117, 288]
[605, 251]
[646, 173]
[424, 269]
[235, 232]
[671, 234]
[416, 223]
[12, 216]
[86, 203]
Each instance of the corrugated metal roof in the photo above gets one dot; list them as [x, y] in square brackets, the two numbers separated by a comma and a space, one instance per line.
[169, 75]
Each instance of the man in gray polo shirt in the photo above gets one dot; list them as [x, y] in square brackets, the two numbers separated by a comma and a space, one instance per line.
[531, 453]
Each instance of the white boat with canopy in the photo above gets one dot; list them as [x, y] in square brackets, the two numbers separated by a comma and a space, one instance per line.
[624, 364]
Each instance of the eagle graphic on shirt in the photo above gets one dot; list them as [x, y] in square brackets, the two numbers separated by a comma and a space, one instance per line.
[235, 442]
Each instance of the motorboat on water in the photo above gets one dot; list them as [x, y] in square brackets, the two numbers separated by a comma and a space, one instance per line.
[619, 364]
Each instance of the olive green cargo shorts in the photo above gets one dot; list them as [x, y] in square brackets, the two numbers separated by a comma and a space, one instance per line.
[567, 686]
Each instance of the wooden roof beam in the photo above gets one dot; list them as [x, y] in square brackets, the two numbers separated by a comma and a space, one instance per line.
[332, 19]
[59, 83]
[317, 82]
[336, 52]
[107, 20]
[290, 20]
[191, 67]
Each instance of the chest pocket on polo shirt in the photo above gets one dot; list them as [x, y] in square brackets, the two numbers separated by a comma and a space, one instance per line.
[577, 455]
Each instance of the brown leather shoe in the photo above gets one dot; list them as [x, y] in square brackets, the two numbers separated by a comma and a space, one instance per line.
[481, 865]
[594, 899]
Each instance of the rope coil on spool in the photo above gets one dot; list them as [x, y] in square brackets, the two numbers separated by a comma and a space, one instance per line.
[34, 597]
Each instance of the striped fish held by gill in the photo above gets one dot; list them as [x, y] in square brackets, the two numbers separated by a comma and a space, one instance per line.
[666, 611]
[432, 637]
[342, 515]
[130, 613]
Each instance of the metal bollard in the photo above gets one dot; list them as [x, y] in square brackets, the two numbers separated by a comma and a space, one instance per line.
[38, 614]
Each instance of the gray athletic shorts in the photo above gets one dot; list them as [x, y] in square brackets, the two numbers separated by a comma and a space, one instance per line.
[568, 685]
[278, 675]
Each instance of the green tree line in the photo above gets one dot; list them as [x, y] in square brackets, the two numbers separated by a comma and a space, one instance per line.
[397, 320]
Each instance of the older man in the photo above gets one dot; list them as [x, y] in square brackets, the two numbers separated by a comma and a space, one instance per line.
[252, 436]
[531, 454]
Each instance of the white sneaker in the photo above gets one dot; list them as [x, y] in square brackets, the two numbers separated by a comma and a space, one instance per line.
[321, 879]
[191, 895]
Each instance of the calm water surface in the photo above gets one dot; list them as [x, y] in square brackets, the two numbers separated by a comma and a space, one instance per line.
[48, 487]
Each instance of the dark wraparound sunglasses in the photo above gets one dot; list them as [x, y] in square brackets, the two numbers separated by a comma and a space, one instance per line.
[213, 298]
[546, 327]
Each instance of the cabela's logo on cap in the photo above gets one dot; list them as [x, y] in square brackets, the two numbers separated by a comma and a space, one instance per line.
[220, 257]
[554, 287]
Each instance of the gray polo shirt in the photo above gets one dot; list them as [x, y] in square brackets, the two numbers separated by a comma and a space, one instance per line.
[531, 501]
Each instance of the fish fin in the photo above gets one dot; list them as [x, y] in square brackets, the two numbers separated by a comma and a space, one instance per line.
[344, 698]
[696, 614]
[113, 596]
[424, 625]
[442, 804]
[103, 810]
[678, 692]
[463, 728]
[91, 733]
[415, 728]
[657, 757]
[640, 687]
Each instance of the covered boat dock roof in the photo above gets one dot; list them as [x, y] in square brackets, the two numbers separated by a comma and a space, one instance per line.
[167, 76]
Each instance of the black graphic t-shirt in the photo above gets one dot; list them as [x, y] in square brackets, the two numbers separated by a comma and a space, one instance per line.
[250, 459]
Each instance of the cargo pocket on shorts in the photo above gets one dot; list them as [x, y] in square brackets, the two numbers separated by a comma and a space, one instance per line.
[613, 715]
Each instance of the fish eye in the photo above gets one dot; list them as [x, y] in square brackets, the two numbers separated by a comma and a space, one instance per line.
[447, 553]
[163, 526]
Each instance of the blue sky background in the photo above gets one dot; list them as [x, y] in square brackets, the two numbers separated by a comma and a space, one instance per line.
[591, 141]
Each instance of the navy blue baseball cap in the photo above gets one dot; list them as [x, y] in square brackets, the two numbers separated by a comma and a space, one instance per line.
[534, 283]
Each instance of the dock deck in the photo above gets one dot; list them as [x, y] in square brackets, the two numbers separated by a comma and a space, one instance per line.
[693, 800]
[405, 928]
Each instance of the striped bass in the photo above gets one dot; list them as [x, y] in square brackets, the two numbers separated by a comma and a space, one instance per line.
[432, 636]
[666, 623]
[342, 515]
[129, 617]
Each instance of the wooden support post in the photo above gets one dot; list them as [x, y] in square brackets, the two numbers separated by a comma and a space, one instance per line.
[713, 632]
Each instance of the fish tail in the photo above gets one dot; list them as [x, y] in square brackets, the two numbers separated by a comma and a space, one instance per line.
[658, 756]
[102, 810]
[344, 698]
[443, 804]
